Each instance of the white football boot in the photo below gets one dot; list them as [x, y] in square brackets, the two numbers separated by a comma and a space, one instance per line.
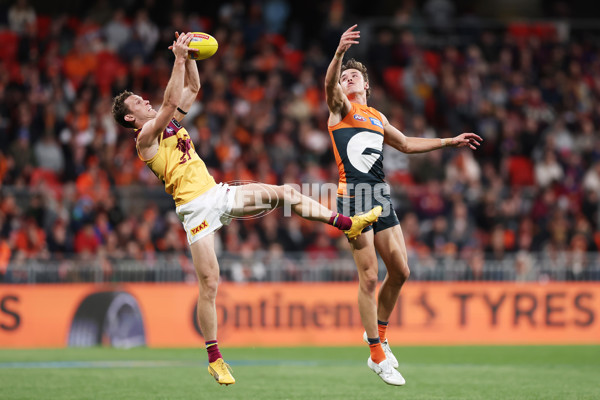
[386, 349]
[386, 372]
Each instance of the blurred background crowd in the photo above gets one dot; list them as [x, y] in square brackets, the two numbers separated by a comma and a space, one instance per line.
[73, 187]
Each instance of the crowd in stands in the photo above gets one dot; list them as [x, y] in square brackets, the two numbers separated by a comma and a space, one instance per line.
[531, 91]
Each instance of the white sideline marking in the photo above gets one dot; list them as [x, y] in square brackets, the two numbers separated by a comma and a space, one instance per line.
[144, 364]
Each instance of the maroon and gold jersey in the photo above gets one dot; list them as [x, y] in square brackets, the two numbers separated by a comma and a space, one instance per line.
[177, 164]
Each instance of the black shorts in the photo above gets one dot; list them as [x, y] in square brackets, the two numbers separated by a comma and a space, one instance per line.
[365, 200]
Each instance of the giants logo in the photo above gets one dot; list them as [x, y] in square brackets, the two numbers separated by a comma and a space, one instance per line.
[200, 227]
[364, 150]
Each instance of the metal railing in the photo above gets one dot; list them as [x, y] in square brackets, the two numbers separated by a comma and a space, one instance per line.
[300, 267]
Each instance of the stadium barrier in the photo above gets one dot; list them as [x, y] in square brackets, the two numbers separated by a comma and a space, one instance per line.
[291, 314]
[301, 267]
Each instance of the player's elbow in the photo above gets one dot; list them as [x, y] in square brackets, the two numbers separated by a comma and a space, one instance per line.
[194, 88]
[172, 99]
[330, 82]
[334, 103]
[402, 147]
[171, 102]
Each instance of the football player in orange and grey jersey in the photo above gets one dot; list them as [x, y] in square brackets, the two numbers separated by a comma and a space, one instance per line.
[358, 133]
[203, 206]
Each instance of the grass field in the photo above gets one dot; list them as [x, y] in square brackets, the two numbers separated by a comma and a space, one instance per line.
[502, 372]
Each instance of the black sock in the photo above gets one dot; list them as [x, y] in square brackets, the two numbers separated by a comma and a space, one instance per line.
[374, 340]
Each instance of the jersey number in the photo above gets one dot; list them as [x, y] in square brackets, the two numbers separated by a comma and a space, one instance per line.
[364, 149]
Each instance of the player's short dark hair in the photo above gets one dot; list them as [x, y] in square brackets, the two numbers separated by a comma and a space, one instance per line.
[120, 109]
[357, 65]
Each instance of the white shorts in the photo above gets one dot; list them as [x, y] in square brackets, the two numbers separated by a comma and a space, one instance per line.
[207, 212]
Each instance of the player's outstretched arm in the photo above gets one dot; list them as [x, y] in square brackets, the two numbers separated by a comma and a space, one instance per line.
[337, 101]
[405, 144]
[191, 87]
[153, 128]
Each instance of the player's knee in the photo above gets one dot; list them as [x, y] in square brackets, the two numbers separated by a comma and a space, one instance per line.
[399, 276]
[208, 290]
[208, 285]
[404, 274]
[368, 282]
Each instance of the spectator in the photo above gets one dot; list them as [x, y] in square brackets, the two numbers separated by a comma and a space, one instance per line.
[524, 270]
[548, 170]
[58, 240]
[86, 241]
[260, 116]
[146, 30]
[276, 13]
[79, 62]
[591, 180]
[30, 240]
[20, 16]
[49, 155]
[441, 15]
[437, 238]
[117, 31]
[321, 248]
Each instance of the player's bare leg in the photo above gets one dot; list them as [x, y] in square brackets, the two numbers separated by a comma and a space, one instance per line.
[363, 251]
[392, 249]
[207, 270]
[365, 258]
[254, 198]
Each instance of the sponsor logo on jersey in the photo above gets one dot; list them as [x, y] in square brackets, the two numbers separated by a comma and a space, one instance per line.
[169, 129]
[199, 228]
[174, 122]
[376, 122]
[359, 118]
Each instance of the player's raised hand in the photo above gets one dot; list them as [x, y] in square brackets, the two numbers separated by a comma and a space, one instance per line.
[177, 37]
[180, 46]
[466, 139]
[348, 38]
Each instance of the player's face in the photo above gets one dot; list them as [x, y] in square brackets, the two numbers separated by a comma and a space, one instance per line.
[352, 81]
[140, 108]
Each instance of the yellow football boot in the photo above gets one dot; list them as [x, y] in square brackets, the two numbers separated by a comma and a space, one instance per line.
[360, 222]
[221, 371]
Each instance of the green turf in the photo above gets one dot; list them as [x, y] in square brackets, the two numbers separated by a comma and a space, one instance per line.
[502, 372]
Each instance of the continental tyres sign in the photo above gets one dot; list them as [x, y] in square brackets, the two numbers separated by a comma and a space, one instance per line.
[274, 314]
